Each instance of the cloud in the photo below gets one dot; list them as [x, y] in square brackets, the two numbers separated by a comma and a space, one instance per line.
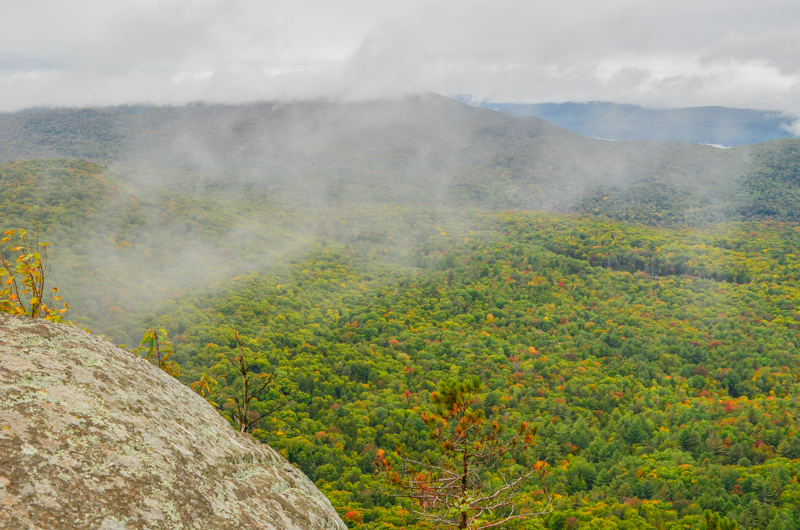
[674, 54]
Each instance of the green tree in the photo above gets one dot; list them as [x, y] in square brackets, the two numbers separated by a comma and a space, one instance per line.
[635, 433]
[716, 522]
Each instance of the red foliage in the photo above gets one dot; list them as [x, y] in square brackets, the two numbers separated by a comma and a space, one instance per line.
[353, 515]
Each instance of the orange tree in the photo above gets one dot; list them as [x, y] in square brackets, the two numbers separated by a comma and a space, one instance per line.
[23, 277]
[479, 478]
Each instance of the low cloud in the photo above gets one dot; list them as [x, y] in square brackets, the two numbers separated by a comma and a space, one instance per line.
[173, 52]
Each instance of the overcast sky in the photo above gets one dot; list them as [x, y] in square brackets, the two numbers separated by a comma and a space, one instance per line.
[658, 53]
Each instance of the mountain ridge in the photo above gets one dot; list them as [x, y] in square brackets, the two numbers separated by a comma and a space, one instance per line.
[427, 150]
[712, 125]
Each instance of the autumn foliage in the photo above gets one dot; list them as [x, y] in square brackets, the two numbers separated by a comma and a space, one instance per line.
[478, 477]
[23, 278]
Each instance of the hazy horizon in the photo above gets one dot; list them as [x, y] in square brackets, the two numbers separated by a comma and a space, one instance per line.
[90, 53]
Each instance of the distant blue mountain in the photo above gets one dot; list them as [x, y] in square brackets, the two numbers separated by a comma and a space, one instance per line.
[708, 125]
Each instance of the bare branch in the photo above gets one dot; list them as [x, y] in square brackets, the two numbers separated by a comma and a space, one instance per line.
[452, 490]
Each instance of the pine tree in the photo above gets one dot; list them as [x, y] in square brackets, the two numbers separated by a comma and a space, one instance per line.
[635, 433]
[455, 489]
[715, 445]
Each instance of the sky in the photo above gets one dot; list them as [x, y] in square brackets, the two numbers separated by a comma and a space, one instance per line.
[662, 54]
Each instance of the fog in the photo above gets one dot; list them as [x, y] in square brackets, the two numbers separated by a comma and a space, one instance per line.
[206, 192]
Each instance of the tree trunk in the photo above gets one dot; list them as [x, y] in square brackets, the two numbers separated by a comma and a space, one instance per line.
[462, 524]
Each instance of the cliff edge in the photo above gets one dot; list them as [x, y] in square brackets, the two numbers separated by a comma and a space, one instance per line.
[94, 437]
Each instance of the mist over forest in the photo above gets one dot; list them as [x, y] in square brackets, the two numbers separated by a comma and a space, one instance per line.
[636, 301]
[427, 149]
[184, 195]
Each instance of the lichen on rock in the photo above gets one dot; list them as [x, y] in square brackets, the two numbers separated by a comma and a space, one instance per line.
[94, 437]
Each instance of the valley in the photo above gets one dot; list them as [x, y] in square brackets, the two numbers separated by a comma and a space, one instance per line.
[636, 301]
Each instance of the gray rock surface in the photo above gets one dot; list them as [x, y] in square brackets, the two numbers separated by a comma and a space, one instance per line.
[93, 437]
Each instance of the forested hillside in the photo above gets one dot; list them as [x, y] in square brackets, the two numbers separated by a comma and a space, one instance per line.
[708, 125]
[645, 318]
[657, 397]
[429, 150]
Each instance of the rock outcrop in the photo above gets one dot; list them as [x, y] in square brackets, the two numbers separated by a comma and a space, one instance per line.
[94, 437]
